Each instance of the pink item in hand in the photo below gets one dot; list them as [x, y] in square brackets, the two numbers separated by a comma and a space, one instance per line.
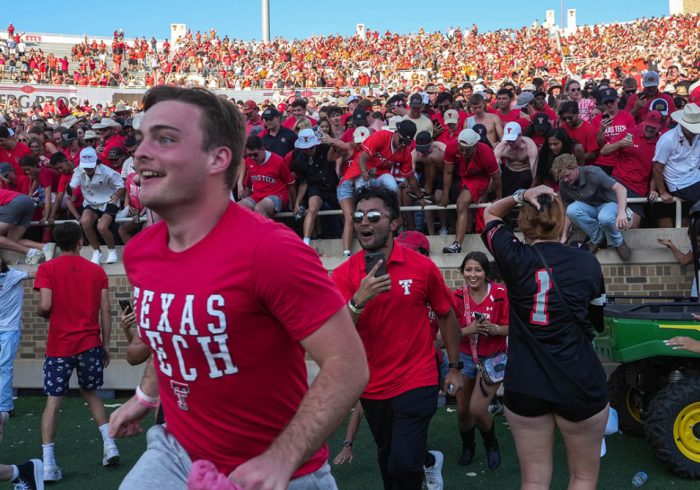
[205, 476]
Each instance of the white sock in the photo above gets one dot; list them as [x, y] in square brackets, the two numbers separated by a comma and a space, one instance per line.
[15, 472]
[346, 253]
[307, 241]
[104, 430]
[48, 456]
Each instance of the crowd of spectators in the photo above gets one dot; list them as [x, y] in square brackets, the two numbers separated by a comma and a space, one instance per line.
[387, 61]
[456, 143]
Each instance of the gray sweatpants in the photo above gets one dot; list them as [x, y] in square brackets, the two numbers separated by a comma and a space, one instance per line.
[165, 464]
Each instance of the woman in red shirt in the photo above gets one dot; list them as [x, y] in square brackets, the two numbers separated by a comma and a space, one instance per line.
[482, 310]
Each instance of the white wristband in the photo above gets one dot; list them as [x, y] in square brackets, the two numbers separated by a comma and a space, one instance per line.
[145, 400]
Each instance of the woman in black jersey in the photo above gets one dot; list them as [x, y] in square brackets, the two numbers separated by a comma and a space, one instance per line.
[554, 377]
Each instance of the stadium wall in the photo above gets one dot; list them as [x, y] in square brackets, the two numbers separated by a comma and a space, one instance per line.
[653, 272]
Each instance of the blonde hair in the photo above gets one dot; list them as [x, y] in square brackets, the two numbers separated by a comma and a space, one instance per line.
[546, 223]
[303, 123]
[562, 163]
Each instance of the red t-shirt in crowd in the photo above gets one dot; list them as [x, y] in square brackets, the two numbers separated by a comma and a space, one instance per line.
[494, 307]
[513, 116]
[13, 157]
[291, 121]
[76, 286]
[270, 178]
[49, 177]
[114, 141]
[382, 157]
[394, 326]
[585, 135]
[475, 175]
[622, 123]
[635, 164]
[644, 110]
[73, 158]
[225, 333]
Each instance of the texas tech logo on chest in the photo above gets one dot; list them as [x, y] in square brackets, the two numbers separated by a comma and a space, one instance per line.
[406, 285]
[178, 341]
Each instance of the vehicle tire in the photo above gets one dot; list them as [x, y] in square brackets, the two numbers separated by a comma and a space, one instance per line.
[673, 427]
[624, 399]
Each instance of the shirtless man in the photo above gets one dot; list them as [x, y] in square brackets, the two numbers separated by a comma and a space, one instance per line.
[494, 128]
[429, 156]
[517, 156]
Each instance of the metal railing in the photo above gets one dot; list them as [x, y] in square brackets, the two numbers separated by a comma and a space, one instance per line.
[338, 212]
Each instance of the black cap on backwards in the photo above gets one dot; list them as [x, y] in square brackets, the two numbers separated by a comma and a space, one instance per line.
[423, 141]
[406, 129]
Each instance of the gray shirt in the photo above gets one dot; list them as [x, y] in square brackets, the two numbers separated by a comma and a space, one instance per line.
[593, 187]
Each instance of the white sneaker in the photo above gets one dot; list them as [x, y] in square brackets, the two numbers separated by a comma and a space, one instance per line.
[33, 257]
[49, 250]
[112, 256]
[96, 257]
[3, 420]
[52, 473]
[433, 474]
[443, 231]
[110, 455]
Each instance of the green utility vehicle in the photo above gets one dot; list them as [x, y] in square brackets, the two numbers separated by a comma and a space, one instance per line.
[656, 389]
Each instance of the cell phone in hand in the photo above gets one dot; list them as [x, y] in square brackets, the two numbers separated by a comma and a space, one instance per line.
[125, 305]
[479, 316]
[371, 260]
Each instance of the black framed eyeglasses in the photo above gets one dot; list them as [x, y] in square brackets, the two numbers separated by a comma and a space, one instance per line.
[372, 216]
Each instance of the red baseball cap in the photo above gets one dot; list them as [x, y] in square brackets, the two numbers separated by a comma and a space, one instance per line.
[282, 107]
[249, 106]
[414, 240]
[653, 119]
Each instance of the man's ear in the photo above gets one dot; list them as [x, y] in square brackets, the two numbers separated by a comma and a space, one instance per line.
[220, 160]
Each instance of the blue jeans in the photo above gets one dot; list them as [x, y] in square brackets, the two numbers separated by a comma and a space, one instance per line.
[597, 221]
[9, 342]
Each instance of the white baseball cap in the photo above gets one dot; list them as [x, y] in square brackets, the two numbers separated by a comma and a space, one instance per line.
[512, 131]
[88, 158]
[468, 137]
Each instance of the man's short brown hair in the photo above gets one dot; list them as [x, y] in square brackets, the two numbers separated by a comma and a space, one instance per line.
[562, 163]
[222, 122]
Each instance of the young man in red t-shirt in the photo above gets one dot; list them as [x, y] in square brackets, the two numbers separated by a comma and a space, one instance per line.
[227, 333]
[268, 183]
[12, 150]
[475, 167]
[80, 326]
[389, 309]
[581, 131]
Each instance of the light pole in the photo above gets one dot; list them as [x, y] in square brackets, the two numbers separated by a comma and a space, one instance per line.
[265, 7]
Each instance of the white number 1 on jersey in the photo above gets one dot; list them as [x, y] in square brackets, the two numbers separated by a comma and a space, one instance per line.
[539, 315]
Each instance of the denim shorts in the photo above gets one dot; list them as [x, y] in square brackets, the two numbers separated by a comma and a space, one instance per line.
[345, 190]
[469, 370]
[276, 200]
[89, 365]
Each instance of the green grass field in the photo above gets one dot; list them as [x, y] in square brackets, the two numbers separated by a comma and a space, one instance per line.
[79, 453]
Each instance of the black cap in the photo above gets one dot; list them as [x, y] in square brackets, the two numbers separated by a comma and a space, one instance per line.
[69, 136]
[359, 115]
[416, 100]
[608, 95]
[115, 153]
[6, 168]
[270, 113]
[540, 121]
[406, 129]
[423, 141]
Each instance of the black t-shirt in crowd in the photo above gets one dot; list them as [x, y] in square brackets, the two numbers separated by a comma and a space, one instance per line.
[282, 143]
[550, 356]
[315, 169]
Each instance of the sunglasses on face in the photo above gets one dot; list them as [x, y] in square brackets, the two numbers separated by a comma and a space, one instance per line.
[251, 154]
[443, 106]
[405, 141]
[372, 216]
[574, 89]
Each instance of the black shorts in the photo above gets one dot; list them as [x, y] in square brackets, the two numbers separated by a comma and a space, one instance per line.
[110, 210]
[529, 406]
[512, 181]
[327, 196]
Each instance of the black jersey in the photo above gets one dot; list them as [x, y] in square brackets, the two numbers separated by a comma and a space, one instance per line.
[551, 355]
[316, 169]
